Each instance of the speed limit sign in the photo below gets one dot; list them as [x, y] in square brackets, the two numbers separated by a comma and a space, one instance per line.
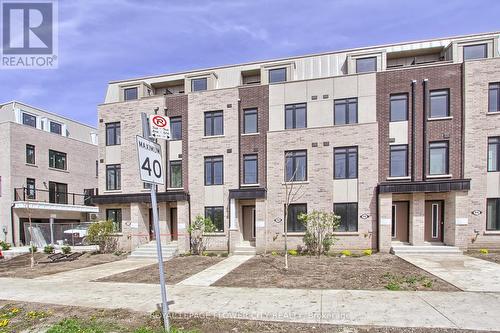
[150, 161]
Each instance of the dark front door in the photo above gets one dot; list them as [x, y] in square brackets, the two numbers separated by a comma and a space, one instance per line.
[58, 193]
[151, 225]
[248, 223]
[173, 223]
[434, 221]
[400, 221]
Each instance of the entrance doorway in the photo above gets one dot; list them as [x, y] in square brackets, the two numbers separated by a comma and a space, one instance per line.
[434, 221]
[173, 223]
[248, 223]
[400, 217]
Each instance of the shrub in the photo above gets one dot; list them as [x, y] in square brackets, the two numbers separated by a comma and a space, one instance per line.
[367, 252]
[200, 226]
[224, 254]
[48, 249]
[293, 253]
[484, 251]
[66, 249]
[5, 246]
[319, 226]
[101, 234]
[33, 249]
[346, 253]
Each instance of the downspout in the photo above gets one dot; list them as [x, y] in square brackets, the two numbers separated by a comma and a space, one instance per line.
[424, 129]
[462, 70]
[413, 131]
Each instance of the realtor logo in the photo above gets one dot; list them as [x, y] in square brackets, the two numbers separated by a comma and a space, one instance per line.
[29, 38]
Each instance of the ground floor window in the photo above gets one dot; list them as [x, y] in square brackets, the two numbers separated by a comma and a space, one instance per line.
[216, 214]
[348, 213]
[493, 214]
[293, 222]
[115, 215]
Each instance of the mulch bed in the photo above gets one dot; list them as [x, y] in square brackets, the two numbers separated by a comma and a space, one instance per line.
[492, 256]
[375, 272]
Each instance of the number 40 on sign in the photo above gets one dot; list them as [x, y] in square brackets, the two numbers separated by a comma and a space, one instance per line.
[150, 161]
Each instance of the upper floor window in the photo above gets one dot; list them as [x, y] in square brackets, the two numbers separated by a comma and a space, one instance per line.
[494, 97]
[478, 51]
[399, 107]
[346, 163]
[31, 188]
[346, 111]
[439, 103]
[57, 160]
[199, 84]
[58, 193]
[438, 158]
[216, 215]
[115, 215]
[250, 169]
[175, 128]
[214, 170]
[296, 116]
[113, 134]
[364, 65]
[113, 177]
[399, 161]
[176, 174]
[214, 123]
[250, 121]
[55, 128]
[348, 213]
[130, 94]
[277, 75]
[30, 154]
[29, 120]
[293, 223]
[494, 153]
[296, 165]
[493, 214]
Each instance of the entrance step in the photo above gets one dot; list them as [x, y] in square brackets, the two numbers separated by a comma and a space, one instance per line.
[424, 249]
[148, 250]
[244, 248]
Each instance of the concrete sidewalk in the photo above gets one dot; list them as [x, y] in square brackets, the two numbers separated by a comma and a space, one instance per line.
[464, 310]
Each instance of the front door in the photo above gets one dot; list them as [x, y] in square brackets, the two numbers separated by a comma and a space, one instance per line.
[434, 221]
[151, 225]
[248, 223]
[173, 223]
[399, 228]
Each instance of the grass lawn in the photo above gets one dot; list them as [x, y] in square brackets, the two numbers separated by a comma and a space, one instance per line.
[375, 272]
[176, 270]
[19, 267]
[491, 256]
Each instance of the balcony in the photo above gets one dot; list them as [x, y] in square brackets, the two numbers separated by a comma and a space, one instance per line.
[53, 200]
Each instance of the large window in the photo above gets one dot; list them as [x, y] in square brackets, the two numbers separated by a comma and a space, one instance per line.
[214, 123]
[493, 214]
[216, 215]
[295, 166]
[115, 215]
[277, 75]
[29, 119]
[346, 163]
[250, 124]
[346, 111]
[30, 154]
[296, 115]
[31, 188]
[57, 160]
[175, 128]
[214, 170]
[478, 51]
[399, 161]
[399, 107]
[348, 213]
[494, 153]
[494, 97]
[113, 177]
[113, 134]
[199, 84]
[438, 158]
[130, 94]
[175, 174]
[55, 128]
[439, 103]
[364, 65]
[250, 173]
[58, 193]
[293, 223]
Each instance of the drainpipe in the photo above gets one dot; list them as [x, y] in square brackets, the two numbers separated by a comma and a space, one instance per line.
[413, 130]
[424, 134]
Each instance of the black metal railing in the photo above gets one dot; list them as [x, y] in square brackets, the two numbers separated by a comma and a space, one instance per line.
[57, 197]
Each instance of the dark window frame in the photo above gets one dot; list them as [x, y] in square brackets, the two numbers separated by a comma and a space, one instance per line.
[250, 112]
[497, 207]
[126, 96]
[177, 163]
[439, 92]
[366, 58]
[345, 151]
[447, 161]
[347, 103]
[213, 160]
[115, 215]
[175, 120]
[31, 188]
[212, 116]
[56, 195]
[293, 108]
[495, 142]
[274, 70]
[204, 87]
[398, 97]
[113, 133]
[57, 129]
[211, 211]
[116, 177]
[491, 87]
[297, 225]
[53, 157]
[344, 225]
[251, 157]
[293, 155]
[32, 148]
[483, 45]
[404, 148]
[27, 118]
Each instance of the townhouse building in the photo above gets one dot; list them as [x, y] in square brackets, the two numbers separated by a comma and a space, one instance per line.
[47, 170]
[401, 141]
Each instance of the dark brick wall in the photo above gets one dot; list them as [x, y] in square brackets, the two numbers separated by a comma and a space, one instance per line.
[399, 81]
[255, 97]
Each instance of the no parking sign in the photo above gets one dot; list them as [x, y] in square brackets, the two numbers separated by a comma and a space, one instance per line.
[159, 126]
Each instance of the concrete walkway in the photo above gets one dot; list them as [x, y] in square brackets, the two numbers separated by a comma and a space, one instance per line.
[215, 272]
[464, 272]
[464, 310]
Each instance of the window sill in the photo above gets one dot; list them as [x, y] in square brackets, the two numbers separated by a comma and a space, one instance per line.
[300, 182]
[31, 165]
[113, 191]
[175, 188]
[250, 185]
[346, 233]
[108, 145]
[439, 118]
[492, 232]
[439, 176]
[294, 234]
[399, 178]
[489, 113]
[212, 136]
[60, 170]
[249, 134]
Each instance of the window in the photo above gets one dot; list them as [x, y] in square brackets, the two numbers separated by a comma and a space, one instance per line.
[296, 166]
[29, 120]
[494, 97]
[30, 154]
[438, 158]
[175, 128]
[55, 128]
[277, 75]
[493, 214]
[58, 193]
[346, 163]
[175, 174]
[57, 160]
[250, 121]
[399, 107]
[296, 116]
[113, 134]
[364, 65]
[97, 168]
[250, 169]
[293, 224]
[113, 177]
[475, 51]
[130, 94]
[346, 111]
[348, 213]
[216, 215]
[494, 154]
[214, 170]
[199, 84]
[214, 123]
[31, 188]
[115, 215]
[440, 103]
[399, 161]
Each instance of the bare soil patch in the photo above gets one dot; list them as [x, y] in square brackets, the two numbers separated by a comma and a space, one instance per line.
[19, 267]
[492, 256]
[375, 272]
[176, 270]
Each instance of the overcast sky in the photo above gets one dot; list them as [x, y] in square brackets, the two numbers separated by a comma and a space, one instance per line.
[104, 40]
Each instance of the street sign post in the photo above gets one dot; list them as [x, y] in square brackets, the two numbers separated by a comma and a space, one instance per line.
[159, 127]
